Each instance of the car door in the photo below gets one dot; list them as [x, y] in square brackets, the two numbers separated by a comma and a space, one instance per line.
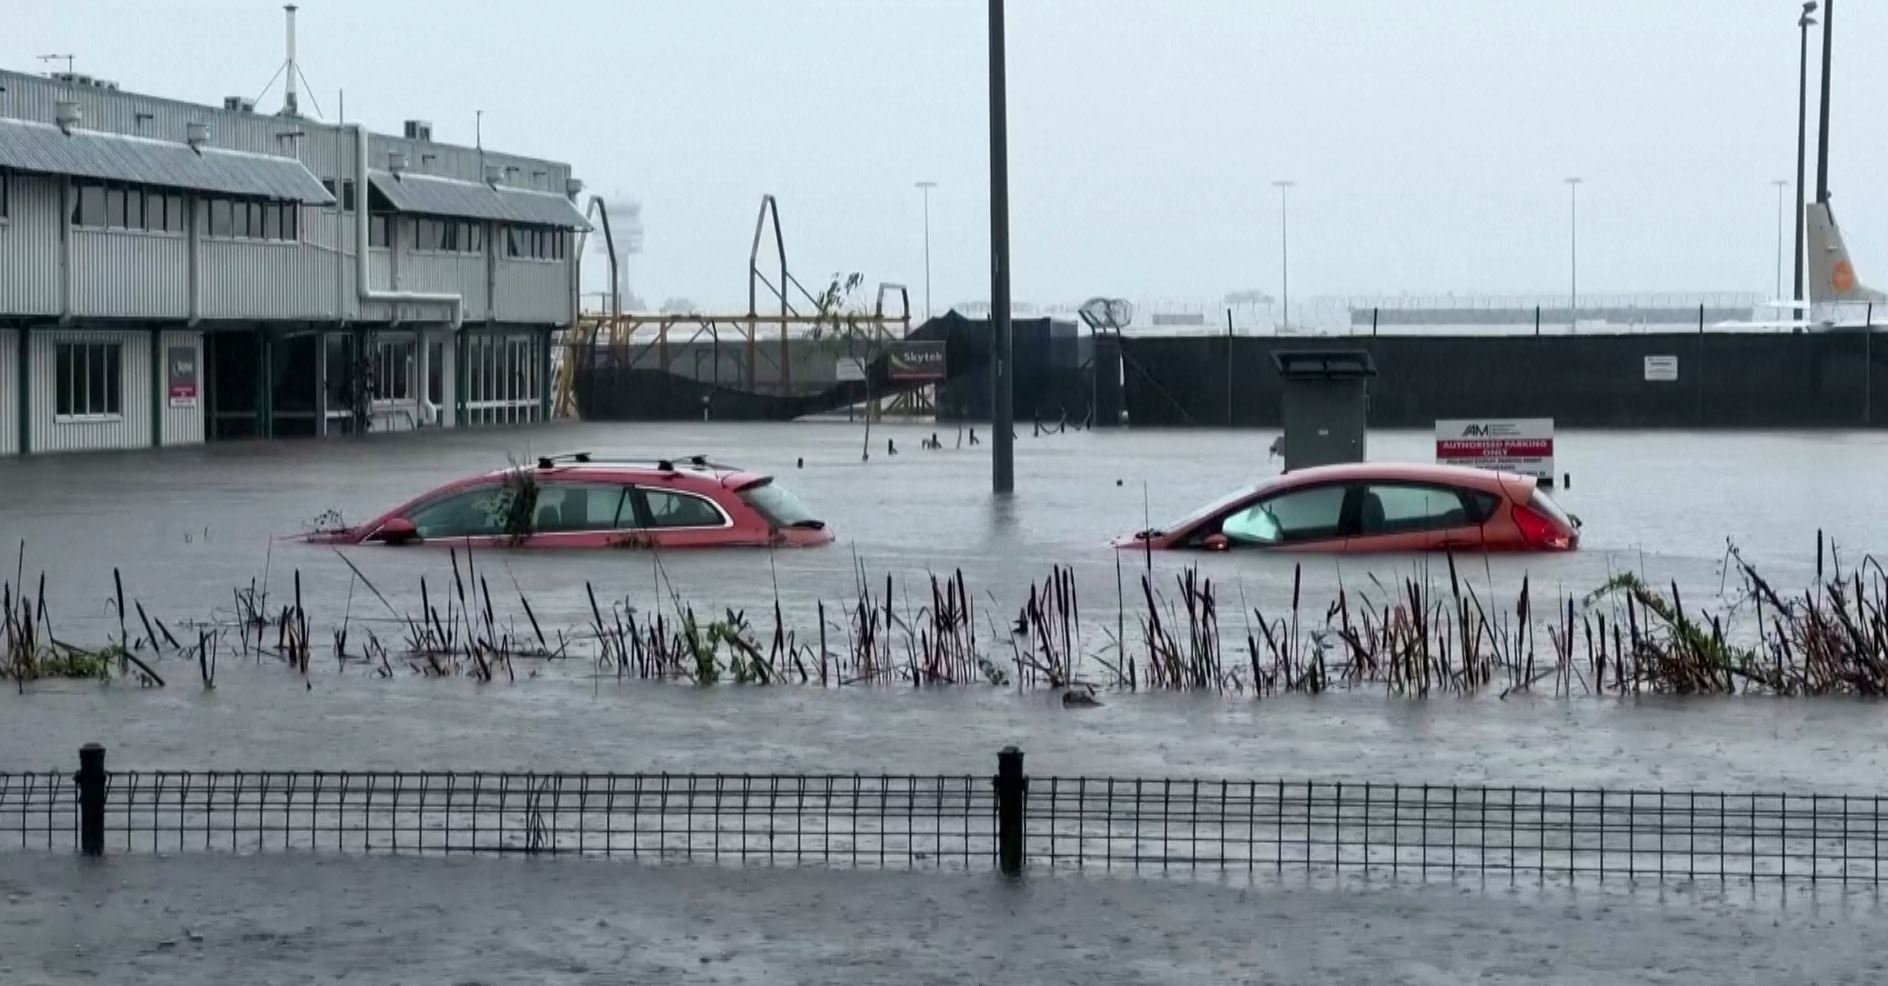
[1311, 518]
[582, 515]
[479, 516]
[1408, 516]
[672, 518]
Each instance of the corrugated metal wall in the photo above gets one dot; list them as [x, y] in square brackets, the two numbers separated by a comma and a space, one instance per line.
[461, 273]
[130, 275]
[29, 247]
[131, 428]
[182, 425]
[533, 292]
[9, 392]
[245, 279]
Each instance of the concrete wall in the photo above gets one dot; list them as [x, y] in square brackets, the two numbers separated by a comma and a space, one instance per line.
[1751, 380]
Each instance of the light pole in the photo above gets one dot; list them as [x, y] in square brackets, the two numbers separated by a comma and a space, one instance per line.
[1780, 185]
[1284, 185]
[1573, 253]
[925, 187]
[1802, 134]
[1002, 417]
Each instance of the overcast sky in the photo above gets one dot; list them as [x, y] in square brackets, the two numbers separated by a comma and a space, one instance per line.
[1429, 140]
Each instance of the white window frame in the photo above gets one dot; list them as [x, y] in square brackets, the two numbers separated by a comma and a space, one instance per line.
[88, 348]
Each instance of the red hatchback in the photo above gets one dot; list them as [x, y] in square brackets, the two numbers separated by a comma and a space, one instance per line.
[579, 501]
[1376, 506]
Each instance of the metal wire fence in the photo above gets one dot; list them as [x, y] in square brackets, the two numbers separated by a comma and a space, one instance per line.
[965, 822]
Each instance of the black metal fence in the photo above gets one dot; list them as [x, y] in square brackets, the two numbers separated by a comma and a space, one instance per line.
[962, 821]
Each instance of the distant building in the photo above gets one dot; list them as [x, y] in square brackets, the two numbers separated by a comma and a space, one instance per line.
[172, 273]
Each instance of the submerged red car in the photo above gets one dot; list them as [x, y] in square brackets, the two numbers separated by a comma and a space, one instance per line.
[1377, 506]
[580, 501]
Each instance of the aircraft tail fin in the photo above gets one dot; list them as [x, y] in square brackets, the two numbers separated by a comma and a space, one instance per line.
[1831, 274]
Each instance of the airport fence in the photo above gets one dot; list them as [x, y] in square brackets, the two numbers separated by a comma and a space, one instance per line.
[1007, 821]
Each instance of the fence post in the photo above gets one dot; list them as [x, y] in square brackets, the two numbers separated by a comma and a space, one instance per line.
[91, 781]
[1011, 788]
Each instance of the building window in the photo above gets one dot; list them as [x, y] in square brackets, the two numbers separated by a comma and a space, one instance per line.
[347, 195]
[220, 222]
[393, 370]
[250, 219]
[4, 177]
[377, 229]
[114, 205]
[89, 382]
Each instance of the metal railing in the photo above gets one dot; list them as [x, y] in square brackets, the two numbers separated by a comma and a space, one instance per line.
[1007, 821]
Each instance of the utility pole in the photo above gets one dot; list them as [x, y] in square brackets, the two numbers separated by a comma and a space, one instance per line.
[1803, 23]
[1573, 253]
[1284, 250]
[1002, 424]
[925, 187]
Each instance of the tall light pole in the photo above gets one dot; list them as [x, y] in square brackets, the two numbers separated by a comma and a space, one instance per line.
[1780, 185]
[1573, 252]
[1284, 186]
[925, 187]
[1002, 416]
[1822, 128]
[1802, 134]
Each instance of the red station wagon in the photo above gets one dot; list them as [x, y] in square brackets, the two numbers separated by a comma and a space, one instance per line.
[578, 501]
[1368, 506]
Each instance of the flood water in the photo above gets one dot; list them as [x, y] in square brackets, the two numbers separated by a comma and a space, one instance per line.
[188, 526]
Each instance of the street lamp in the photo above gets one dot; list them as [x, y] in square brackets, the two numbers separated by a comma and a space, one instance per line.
[1573, 252]
[925, 187]
[1780, 184]
[1804, 23]
[1284, 185]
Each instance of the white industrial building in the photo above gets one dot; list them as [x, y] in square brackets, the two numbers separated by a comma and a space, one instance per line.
[173, 273]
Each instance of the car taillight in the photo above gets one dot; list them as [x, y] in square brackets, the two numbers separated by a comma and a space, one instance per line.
[1540, 531]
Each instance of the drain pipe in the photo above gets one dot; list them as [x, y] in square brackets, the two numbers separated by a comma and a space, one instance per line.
[454, 302]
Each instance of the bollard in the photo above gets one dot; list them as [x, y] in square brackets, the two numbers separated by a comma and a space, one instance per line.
[1011, 789]
[91, 781]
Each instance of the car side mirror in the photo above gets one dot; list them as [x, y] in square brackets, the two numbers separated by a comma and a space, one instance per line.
[397, 530]
[1216, 542]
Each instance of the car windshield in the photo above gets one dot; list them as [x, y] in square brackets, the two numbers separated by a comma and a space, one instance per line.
[779, 505]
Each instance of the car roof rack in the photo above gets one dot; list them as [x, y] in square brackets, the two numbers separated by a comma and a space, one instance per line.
[663, 464]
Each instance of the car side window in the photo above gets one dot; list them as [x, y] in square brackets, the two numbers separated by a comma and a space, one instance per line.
[1401, 508]
[1296, 515]
[669, 508]
[470, 513]
[569, 507]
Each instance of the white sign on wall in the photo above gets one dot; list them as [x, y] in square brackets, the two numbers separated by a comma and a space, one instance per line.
[1661, 369]
[1518, 445]
[849, 368]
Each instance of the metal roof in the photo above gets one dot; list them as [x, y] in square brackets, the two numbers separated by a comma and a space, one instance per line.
[434, 196]
[26, 145]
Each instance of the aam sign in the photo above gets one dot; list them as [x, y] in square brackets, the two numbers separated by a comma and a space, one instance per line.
[1518, 445]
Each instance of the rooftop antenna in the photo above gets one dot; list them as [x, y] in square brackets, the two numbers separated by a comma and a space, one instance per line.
[53, 58]
[289, 105]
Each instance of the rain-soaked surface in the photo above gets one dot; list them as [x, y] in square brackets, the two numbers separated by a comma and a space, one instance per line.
[188, 526]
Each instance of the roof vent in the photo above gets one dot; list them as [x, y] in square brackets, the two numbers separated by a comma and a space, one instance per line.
[419, 130]
[66, 113]
[493, 175]
[239, 104]
[573, 187]
[396, 162]
[196, 135]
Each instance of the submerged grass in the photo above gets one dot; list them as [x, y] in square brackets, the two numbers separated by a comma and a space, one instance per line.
[1432, 632]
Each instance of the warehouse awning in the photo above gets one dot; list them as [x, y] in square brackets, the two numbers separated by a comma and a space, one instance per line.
[429, 195]
[44, 149]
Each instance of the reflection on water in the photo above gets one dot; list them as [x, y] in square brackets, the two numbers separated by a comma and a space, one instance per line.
[188, 526]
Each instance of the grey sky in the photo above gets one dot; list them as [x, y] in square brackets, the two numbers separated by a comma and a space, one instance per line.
[1429, 140]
